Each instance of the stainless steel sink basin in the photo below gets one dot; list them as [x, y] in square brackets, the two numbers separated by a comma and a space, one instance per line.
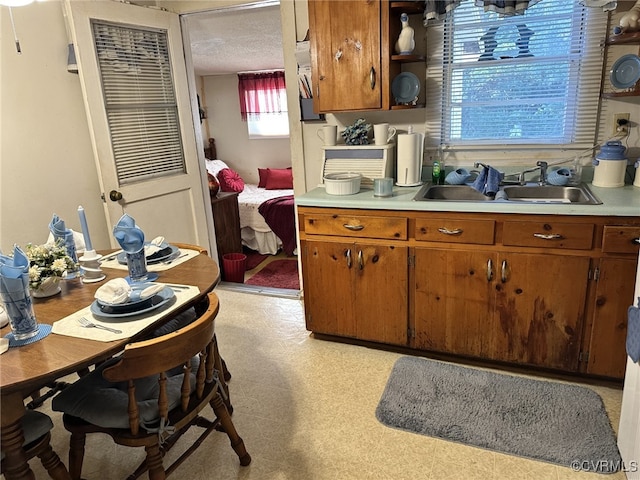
[550, 194]
[530, 193]
[456, 193]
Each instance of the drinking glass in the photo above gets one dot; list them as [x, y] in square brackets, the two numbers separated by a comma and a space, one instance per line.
[137, 265]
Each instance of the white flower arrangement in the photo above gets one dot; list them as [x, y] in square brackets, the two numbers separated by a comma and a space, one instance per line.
[48, 260]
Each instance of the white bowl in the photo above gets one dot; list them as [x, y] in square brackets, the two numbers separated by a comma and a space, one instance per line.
[342, 183]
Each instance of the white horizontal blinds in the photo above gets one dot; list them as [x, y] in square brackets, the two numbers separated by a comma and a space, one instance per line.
[140, 102]
[524, 79]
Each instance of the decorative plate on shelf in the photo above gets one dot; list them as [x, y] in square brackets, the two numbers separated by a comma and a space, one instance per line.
[405, 87]
[625, 72]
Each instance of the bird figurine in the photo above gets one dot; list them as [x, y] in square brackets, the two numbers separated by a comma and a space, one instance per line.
[405, 43]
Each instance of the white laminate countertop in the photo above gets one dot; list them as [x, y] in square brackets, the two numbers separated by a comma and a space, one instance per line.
[622, 201]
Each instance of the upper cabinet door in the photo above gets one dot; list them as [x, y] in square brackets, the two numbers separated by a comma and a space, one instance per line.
[346, 44]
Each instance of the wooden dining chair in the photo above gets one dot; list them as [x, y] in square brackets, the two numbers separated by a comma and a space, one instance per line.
[143, 398]
[36, 428]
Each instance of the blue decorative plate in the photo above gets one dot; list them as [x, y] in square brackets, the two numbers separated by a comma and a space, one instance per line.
[405, 87]
[625, 72]
[157, 301]
[131, 304]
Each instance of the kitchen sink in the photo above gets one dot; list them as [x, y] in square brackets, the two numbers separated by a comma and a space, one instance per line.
[456, 193]
[529, 193]
[579, 194]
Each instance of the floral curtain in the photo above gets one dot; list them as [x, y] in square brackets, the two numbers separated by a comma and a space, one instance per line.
[436, 10]
[261, 93]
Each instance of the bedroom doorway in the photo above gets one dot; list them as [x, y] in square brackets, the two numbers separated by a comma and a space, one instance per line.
[225, 42]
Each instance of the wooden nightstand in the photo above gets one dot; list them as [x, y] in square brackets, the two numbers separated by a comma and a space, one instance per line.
[226, 219]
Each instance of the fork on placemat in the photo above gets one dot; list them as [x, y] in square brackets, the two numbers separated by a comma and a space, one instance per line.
[85, 322]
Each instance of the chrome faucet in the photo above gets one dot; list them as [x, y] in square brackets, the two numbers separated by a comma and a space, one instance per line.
[542, 166]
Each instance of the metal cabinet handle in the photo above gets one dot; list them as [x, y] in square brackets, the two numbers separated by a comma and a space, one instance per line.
[360, 260]
[503, 272]
[489, 270]
[355, 228]
[446, 231]
[372, 78]
[348, 255]
[548, 236]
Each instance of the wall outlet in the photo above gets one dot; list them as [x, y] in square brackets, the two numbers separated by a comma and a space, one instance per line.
[620, 125]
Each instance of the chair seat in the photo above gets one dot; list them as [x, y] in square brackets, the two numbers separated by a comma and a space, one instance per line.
[34, 426]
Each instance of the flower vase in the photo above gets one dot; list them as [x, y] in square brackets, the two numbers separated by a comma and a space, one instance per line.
[49, 287]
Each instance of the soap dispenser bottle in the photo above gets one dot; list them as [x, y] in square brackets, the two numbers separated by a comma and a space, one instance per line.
[438, 171]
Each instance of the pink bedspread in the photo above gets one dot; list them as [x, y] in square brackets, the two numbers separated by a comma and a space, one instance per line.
[279, 213]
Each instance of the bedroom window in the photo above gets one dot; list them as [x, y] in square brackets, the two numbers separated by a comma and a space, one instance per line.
[263, 104]
[530, 79]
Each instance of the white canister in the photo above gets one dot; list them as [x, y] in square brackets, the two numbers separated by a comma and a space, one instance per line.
[610, 165]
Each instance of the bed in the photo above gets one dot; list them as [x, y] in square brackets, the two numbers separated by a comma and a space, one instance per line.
[267, 216]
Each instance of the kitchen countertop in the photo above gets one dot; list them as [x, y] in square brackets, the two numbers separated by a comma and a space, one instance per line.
[622, 201]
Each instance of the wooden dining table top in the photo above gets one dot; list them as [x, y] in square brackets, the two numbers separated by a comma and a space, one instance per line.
[26, 368]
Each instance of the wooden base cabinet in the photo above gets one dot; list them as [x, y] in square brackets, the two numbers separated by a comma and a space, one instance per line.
[546, 291]
[516, 308]
[356, 290]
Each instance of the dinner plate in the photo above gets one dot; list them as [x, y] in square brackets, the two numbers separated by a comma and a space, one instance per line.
[157, 301]
[130, 305]
[122, 256]
[625, 72]
[405, 87]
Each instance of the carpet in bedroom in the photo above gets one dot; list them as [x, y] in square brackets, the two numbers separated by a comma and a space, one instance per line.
[253, 258]
[544, 420]
[277, 274]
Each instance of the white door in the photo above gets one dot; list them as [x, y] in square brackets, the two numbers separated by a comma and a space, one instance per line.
[162, 188]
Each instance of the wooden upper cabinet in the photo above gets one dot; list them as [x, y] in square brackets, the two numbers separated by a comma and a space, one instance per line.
[346, 47]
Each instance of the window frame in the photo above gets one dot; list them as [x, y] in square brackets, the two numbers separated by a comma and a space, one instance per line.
[587, 110]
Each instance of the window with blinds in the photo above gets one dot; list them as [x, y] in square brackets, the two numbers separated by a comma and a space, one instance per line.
[140, 102]
[525, 79]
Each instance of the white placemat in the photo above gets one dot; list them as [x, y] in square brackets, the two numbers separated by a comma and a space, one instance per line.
[128, 325]
[185, 255]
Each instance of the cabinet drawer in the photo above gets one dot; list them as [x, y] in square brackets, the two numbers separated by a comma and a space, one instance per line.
[621, 239]
[577, 236]
[455, 231]
[361, 226]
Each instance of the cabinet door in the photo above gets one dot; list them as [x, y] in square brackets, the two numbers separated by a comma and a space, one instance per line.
[345, 40]
[614, 295]
[540, 306]
[328, 293]
[381, 279]
[453, 301]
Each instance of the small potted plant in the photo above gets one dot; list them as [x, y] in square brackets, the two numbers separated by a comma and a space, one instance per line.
[48, 264]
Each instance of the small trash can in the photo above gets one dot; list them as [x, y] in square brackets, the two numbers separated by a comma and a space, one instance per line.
[233, 267]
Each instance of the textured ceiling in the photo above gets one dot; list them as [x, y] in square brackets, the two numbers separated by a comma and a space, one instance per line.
[236, 40]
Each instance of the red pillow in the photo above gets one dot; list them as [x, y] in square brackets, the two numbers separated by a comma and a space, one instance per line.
[262, 173]
[279, 178]
[230, 181]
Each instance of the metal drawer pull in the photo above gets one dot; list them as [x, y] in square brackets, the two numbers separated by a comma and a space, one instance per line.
[446, 231]
[372, 78]
[548, 236]
[489, 270]
[360, 260]
[636, 241]
[348, 255]
[355, 228]
[503, 273]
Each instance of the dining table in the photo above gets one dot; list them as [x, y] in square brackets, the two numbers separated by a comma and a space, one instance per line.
[26, 369]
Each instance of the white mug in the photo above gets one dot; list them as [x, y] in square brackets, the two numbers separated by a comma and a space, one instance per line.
[328, 134]
[383, 133]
